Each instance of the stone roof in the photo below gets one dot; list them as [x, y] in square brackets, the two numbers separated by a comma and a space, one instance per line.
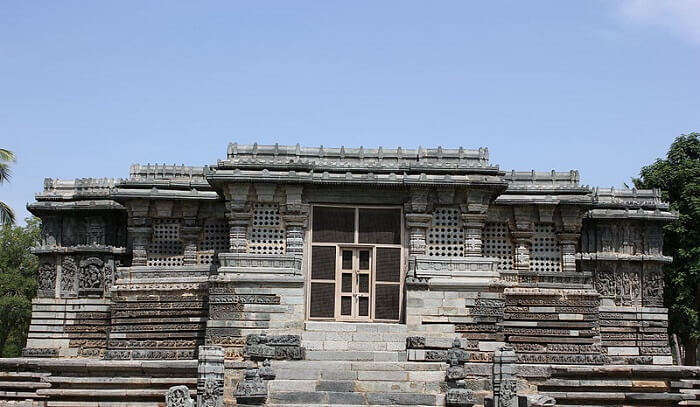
[356, 159]
[360, 166]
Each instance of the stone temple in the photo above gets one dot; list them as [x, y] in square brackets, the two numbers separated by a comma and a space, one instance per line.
[286, 275]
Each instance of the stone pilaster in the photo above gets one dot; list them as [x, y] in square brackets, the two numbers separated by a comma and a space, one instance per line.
[296, 218]
[190, 232]
[522, 232]
[568, 237]
[210, 377]
[504, 383]
[417, 224]
[239, 215]
[139, 230]
[473, 221]
[417, 220]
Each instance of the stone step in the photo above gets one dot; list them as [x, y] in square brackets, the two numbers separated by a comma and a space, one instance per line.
[694, 382]
[617, 396]
[600, 384]
[695, 392]
[358, 386]
[22, 375]
[344, 355]
[24, 385]
[105, 403]
[105, 392]
[160, 381]
[19, 395]
[352, 398]
[357, 366]
[359, 327]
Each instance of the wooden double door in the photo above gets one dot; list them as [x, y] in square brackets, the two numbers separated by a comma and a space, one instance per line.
[356, 264]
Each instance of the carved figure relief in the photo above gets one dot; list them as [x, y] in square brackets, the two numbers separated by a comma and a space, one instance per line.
[69, 271]
[46, 283]
[95, 231]
[91, 274]
[212, 393]
[653, 288]
[622, 283]
[654, 241]
[178, 396]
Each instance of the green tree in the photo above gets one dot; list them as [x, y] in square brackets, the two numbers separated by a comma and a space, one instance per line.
[18, 272]
[678, 176]
[6, 157]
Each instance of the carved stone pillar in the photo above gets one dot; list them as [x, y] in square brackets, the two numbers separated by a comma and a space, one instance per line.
[210, 377]
[569, 236]
[296, 218]
[190, 232]
[239, 215]
[473, 221]
[522, 232]
[504, 382]
[139, 230]
[417, 220]
[417, 224]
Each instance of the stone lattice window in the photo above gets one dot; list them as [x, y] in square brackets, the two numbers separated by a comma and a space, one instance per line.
[215, 239]
[546, 254]
[446, 234]
[166, 249]
[266, 234]
[497, 244]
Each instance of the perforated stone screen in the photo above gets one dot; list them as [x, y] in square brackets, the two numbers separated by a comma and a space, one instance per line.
[215, 239]
[166, 249]
[446, 234]
[266, 234]
[497, 244]
[546, 254]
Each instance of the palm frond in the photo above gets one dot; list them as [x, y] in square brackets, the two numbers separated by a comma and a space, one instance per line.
[5, 173]
[7, 215]
[6, 155]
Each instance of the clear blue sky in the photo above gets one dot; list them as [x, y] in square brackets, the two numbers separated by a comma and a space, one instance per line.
[88, 88]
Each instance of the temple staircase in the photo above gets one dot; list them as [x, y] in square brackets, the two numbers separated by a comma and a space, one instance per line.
[628, 385]
[92, 382]
[356, 364]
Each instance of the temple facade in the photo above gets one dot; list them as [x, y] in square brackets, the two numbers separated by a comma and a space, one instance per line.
[289, 275]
